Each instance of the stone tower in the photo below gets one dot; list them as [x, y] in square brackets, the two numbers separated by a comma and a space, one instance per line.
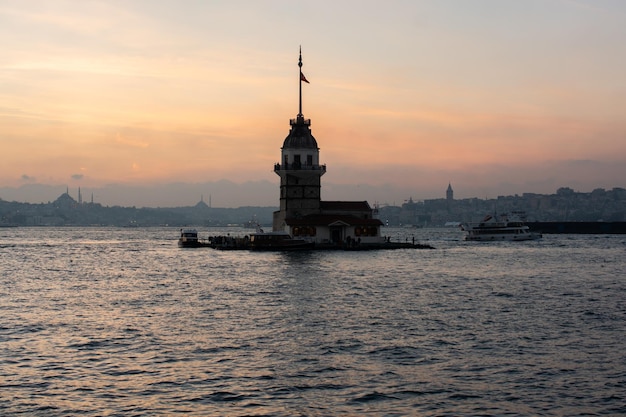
[449, 197]
[299, 170]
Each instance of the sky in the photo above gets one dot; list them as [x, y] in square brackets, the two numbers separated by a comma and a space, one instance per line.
[495, 97]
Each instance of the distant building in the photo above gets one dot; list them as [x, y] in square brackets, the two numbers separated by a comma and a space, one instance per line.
[449, 197]
[302, 212]
[65, 201]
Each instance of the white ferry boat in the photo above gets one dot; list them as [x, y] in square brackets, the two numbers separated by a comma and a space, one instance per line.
[502, 228]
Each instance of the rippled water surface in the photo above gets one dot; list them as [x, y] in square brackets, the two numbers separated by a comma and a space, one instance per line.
[104, 321]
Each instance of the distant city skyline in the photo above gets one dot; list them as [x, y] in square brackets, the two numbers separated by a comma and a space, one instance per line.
[226, 194]
[157, 103]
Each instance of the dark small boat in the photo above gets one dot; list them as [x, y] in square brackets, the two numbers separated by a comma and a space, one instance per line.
[189, 239]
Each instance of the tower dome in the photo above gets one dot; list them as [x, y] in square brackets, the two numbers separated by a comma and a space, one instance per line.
[300, 136]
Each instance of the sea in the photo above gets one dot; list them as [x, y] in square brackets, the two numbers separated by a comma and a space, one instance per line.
[121, 322]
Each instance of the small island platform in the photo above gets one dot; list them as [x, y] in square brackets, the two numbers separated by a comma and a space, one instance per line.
[244, 243]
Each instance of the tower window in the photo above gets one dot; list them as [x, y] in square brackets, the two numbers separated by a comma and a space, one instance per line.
[309, 160]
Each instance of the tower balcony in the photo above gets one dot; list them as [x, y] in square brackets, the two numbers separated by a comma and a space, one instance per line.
[300, 167]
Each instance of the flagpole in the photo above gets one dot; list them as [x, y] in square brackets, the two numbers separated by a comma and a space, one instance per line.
[300, 81]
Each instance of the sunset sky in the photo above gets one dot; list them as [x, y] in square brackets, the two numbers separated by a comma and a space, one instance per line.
[496, 97]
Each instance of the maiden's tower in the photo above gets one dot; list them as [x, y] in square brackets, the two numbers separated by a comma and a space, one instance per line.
[302, 212]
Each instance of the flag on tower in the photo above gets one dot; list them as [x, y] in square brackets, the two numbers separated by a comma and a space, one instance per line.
[303, 78]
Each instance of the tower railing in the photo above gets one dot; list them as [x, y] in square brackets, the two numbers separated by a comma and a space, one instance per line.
[298, 166]
[299, 120]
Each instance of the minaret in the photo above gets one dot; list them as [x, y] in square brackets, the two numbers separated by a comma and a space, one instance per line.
[299, 170]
